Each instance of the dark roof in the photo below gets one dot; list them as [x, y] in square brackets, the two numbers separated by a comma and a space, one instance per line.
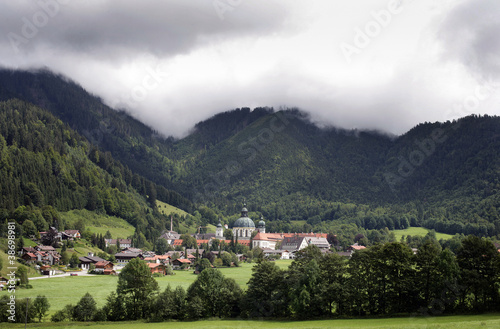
[91, 259]
[128, 255]
[204, 236]
[121, 241]
[170, 235]
[292, 243]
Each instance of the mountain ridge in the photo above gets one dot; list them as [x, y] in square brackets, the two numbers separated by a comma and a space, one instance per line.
[287, 168]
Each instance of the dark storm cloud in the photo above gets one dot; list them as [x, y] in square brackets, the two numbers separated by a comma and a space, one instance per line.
[172, 63]
[470, 33]
[108, 29]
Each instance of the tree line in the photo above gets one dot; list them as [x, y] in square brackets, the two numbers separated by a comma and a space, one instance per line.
[384, 279]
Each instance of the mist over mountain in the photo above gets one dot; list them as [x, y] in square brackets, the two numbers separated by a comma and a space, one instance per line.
[441, 175]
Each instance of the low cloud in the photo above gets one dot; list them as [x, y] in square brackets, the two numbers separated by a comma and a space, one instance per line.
[174, 63]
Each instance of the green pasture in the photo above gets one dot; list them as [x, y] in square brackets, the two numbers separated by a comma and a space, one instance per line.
[415, 231]
[5, 268]
[99, 223]
[68, 290]
[167, 209]
[444, 322]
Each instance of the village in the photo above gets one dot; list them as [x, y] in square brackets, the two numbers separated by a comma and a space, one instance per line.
[48, 260]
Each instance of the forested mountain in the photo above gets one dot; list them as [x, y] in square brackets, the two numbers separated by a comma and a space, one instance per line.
[440, 175]
[129, 141]
[47, 167]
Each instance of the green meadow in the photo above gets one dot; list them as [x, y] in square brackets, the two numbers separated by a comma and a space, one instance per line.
[415, 231]
[443, 322]
[69, 289]
[167, 209]
[99, 224]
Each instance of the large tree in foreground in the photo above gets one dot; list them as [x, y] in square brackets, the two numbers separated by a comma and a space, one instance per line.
[137, 287]
[212, 295]
[479, 263]
[266, 295]
[41, 306]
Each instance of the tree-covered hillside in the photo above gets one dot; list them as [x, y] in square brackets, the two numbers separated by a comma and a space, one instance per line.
[128, 140]
[47, 167]
[444, 176]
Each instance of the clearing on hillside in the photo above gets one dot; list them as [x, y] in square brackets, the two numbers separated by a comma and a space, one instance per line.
[167, 209]
[421, 231]
[99, 224]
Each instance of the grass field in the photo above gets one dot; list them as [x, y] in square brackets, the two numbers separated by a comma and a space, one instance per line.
[167, 209]
[69, 290]
[5, 270]
[99, 224]
[444, 322]
[413, 231]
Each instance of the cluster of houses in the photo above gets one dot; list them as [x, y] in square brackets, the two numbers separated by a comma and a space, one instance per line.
[273, 245]
[157, 263]
[244, 227]
[64, 235]
[46, 255]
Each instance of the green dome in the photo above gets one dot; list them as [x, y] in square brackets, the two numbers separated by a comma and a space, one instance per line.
[261, 223]
[244, 222]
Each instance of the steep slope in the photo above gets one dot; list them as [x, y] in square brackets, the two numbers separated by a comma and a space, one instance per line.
[128, 140]
[47, 167]
[281, 158]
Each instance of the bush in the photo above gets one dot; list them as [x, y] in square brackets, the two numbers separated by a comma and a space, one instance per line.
[169, 269]
[100, 315]
[59, 316]
[63, 315]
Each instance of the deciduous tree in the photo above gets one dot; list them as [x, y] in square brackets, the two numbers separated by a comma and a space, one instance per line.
[137, 287]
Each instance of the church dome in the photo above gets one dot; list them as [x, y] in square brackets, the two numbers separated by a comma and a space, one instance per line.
[261, 224]
[244, 222]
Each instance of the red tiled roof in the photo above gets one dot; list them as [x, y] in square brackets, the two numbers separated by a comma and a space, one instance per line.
[280, 236]
[153, 265]
[199, 242]
[185, 261]
[177, 242]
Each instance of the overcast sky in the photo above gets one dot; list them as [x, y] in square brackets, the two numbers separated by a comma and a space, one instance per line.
[366, 64]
